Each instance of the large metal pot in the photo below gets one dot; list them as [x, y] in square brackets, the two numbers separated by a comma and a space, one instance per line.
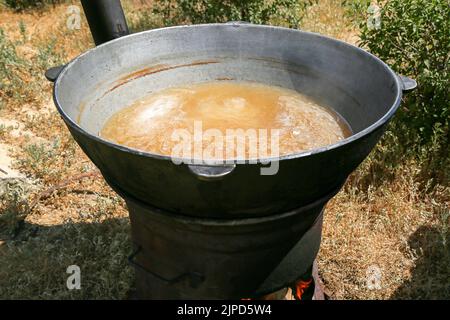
[359, 86]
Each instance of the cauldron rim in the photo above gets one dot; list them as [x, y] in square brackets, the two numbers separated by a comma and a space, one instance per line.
[380, 122]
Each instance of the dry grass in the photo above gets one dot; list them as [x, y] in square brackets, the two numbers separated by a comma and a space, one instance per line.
[329, 17]
[382, 217]
[394, 227]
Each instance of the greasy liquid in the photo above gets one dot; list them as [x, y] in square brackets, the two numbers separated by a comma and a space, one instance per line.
[149, 123]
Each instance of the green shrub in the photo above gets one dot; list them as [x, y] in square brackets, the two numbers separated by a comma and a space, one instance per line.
[281, 12]
[414, 40]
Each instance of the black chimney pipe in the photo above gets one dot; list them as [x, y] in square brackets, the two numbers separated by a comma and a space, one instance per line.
[106, 19]
[107, 22]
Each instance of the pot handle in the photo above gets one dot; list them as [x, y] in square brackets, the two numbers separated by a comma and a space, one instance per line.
[407, 83]
[211, 173]
[53, 73]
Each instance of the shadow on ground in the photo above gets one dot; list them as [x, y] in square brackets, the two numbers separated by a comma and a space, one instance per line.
[34, 264]
[429, 279]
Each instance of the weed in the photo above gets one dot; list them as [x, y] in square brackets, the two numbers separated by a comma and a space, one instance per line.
[10, 65]
[13, 207]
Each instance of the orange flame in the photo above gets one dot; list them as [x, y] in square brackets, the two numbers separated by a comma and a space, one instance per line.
[300, 288]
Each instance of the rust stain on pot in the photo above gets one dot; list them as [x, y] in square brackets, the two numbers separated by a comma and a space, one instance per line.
[224, 79]
[143, 72]
[81, 108]
[155, 69]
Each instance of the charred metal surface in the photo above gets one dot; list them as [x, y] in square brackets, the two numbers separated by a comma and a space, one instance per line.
[319, 291]
[187, 258]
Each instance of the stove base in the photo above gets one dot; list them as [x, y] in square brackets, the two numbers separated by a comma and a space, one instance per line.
[179, 257]
[283, 294]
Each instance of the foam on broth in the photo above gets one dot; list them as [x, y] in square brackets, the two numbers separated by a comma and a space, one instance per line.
[148, 124]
